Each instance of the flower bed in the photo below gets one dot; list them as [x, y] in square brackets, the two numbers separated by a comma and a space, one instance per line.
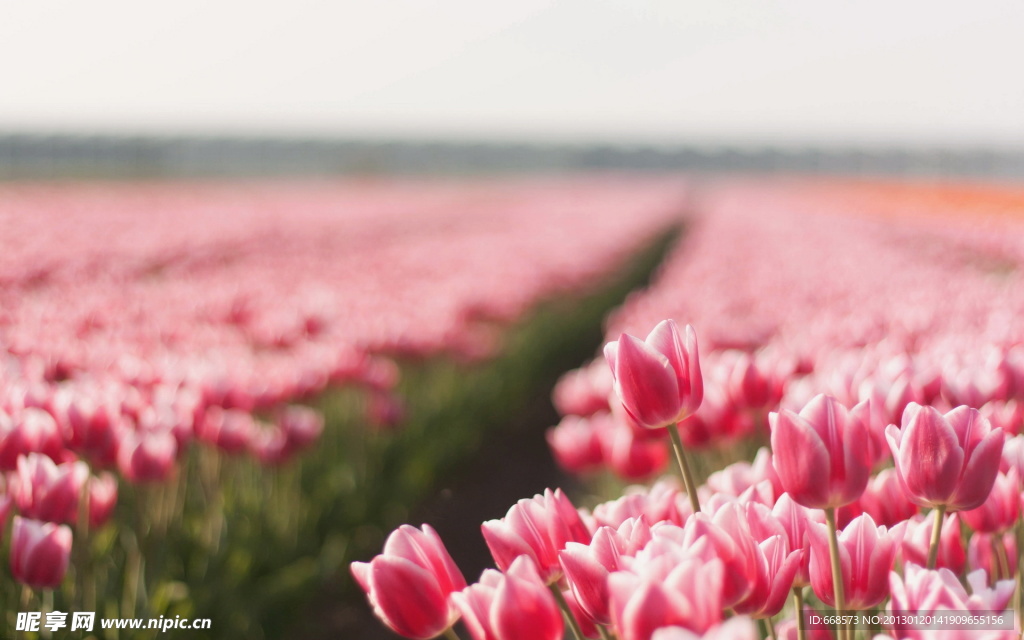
[172, 351]
[872, 356]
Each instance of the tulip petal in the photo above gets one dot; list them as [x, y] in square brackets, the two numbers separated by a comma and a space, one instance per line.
[801, 460]
[930, 458]
[646, 383]
[408, 598]
[979, 474]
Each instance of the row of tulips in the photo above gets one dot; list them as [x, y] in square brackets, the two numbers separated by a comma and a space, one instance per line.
[893, 481]
[154, 348]
[664, 563]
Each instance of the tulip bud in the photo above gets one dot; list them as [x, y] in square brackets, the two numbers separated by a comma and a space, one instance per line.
[409, 583]
[658, 380]
[822, 455]
[515, 605]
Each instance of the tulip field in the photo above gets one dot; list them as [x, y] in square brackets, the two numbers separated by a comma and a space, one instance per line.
[788, 408]
[213, 394]
[818, 401]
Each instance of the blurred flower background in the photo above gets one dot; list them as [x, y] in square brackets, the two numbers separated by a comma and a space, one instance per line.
[277, 278]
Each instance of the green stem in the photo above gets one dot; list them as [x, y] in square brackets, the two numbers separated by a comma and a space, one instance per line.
[798, 604]
[933, 548]
[571, 619]
[837, 568]
[684, 468]
[605, 635]
[771, 628]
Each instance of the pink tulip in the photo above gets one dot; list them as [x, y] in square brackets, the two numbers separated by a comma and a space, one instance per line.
[866, 555]
[408, 584]
[658, 380]
[885, 501]
[740, 476]
[102, 498]
[822, 454]
[31, 430]
[539, 528]
[777, 568]
[47, 491]
[584, 391]
[629, 456]
[302, 426]
[726, 536]
[795, 520]
[270, 446]
[1013, 456]
[663, 502]
[587, 567]
[1000, 510]
[230, 430]
[515, 605]
[147, 456]
[576, 443]
[926, 592]
[39, 552]
[946, 460]
[681, 591]
[94, 429]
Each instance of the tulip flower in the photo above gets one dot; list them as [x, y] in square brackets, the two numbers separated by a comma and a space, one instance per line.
[658, 380]
[515, 605]
[925, 592]
[39, 552]
[659, 383]
[231, 430]
[147, 456]
[302, 426]
[822, 454]
[662, 502]
[102, 498]
[945, 461]
[795, 520]
[885, 501]
[584, 391]
[726, 536]
[539, 528]
[777, 568]
[587, 566]
[679, 591]
[629, 456]
[94, 428]
[866, 553]
[33, 430]
[408, 584]
[576, 442]
[47, 491]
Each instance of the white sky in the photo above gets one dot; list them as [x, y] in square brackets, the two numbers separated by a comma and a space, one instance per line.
[866, 72]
